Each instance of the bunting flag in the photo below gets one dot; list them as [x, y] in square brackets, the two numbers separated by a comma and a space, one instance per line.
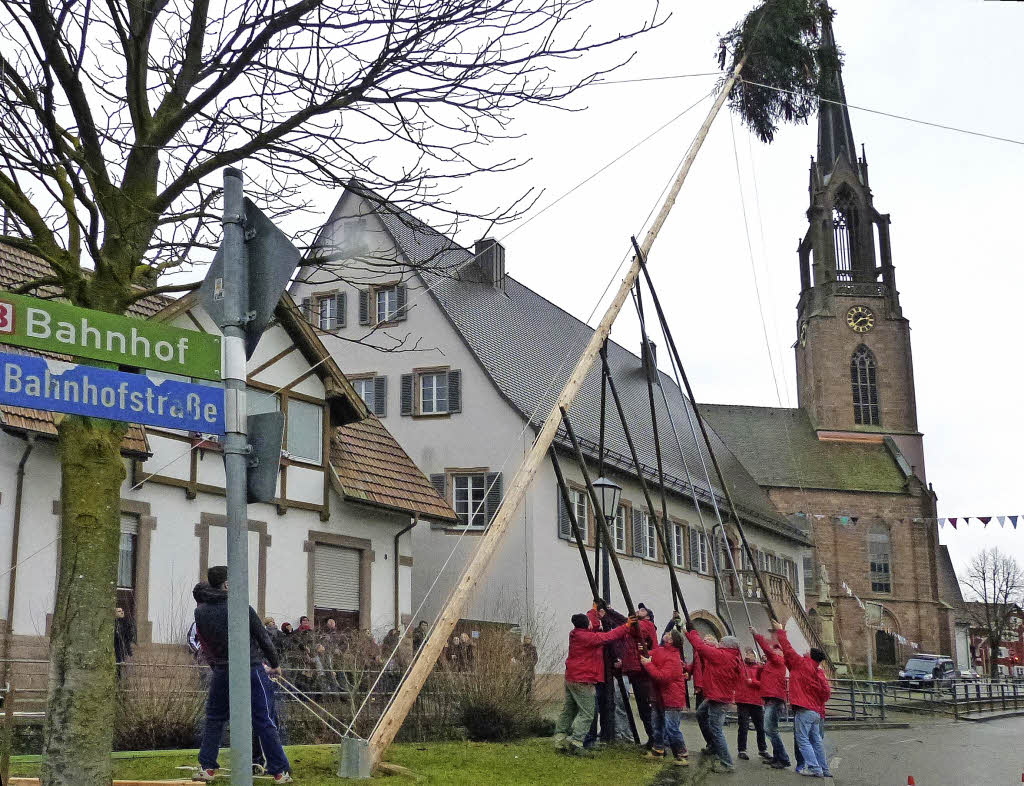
[1001, 520]
[967, 520]
[859, 601]
[952, 523]
[848, 520]
[942, 522]
[1013, 520]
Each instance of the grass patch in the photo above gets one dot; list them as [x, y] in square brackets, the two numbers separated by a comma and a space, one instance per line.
[496, 764]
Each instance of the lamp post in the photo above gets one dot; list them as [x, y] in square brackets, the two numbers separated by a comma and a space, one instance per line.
[609, 492]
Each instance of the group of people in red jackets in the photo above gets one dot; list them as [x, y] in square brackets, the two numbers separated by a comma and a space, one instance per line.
[603, 641]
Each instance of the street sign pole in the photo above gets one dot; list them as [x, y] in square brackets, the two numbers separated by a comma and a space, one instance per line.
[234, 289]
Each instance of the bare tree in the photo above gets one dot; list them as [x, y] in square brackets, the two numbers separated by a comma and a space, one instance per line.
[116, 118]
[994, 587]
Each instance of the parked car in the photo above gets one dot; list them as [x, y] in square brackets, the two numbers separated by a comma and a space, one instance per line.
[968, 675]
[926, 671]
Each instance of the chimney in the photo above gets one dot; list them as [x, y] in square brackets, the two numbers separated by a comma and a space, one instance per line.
[490, 256]
[649, 359]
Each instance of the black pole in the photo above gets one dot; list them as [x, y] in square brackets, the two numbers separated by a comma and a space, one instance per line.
[602, 524]
[652, 369]
[567, 501]
[704, 432]
[646, 492]
[604, 571]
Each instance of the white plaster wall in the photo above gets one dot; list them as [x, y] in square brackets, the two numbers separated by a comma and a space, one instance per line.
[487, 433]
[534, 572]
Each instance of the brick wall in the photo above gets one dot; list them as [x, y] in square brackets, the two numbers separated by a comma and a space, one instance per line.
[913, 603]
[823, 368]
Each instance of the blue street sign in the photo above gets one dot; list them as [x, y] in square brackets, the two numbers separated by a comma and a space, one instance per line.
[55, 386]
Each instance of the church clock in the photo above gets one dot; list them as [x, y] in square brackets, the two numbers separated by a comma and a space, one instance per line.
[860, 319]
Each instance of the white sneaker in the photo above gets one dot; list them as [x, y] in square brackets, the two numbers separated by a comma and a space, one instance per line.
[204, 776]
[283, 777]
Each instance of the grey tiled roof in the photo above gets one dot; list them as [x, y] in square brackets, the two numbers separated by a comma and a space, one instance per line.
[529, 346]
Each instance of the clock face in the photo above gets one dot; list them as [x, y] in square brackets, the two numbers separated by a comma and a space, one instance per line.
[860, 319]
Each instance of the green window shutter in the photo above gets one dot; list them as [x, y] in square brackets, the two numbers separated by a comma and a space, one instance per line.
[307, 308]
[408, 387]
[494, 494]
[403, 298]
[439, 482]
[455, 391]
[341, 312]
[638, 532]
[380, 396]
[364, 307]
[694, 549]
[564, 527]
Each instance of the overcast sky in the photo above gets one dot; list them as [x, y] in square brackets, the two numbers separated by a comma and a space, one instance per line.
[954, 201]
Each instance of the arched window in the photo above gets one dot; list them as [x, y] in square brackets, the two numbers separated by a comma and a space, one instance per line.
[845, 227]
[879, 552]
[864, 380]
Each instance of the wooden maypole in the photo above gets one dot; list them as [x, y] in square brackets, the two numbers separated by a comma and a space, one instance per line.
[392, 719]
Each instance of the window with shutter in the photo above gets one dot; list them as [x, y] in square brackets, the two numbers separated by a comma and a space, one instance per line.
[342, 299]
[495, 494]
[651, 539]
[386, 304]
[469, 497]
[455, 391]
[408, 386]
[367, 391]
[335, 578]
[307, 309]
[581, 509]
[564, 527]
[694, 549]
[327, 312]
[638, 532]
[433, 393]
[380, 396]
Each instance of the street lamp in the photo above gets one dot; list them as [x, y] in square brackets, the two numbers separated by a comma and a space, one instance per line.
[609, 493]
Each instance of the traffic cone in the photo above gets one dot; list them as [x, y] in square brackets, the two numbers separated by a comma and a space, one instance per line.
[910, 780]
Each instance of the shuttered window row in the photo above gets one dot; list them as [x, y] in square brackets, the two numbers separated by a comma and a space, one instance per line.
[431, 392]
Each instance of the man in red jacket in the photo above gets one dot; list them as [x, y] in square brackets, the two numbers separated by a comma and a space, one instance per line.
[809, 689]
[748, 705]
[584, 668]
[665, 667]
[773, 694]
[721, 670]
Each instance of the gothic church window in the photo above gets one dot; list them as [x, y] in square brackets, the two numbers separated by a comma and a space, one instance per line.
[879, 552]
[864, 381]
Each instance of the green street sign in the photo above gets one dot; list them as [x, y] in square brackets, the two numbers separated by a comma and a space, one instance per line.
[82, 332]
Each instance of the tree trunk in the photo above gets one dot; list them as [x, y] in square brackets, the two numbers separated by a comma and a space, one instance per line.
[82, 691]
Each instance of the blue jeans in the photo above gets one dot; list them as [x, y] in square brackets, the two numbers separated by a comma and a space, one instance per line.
[217, 714]
[711, 718]
[808, 729]
[671, 734]
[773, 709]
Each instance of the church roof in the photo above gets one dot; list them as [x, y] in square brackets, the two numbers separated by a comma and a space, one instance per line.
[529, 346]
[780, 447]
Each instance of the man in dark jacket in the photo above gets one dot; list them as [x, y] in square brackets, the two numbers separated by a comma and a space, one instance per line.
[124, 637]
[212, 627]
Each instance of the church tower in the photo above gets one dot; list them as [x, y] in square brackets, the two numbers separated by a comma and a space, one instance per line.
[855, 376]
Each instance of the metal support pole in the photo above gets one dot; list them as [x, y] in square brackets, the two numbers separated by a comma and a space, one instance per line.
[707, 441]
[646, 492]
[602, 524]
[236, 449]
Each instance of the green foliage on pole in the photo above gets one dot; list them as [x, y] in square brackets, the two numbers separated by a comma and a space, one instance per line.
[788, 46]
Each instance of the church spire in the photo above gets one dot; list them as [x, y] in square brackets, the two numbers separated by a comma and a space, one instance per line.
[835, 135]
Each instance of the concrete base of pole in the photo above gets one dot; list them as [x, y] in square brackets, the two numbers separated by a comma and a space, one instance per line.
[355, 759]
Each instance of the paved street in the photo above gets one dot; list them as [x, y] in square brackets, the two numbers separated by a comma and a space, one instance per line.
[935, 753]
